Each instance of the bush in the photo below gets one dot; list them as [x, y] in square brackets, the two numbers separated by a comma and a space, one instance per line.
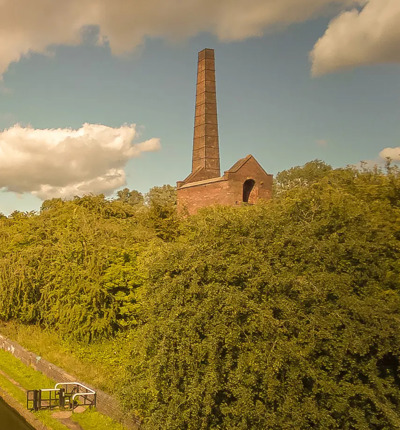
[278, 316]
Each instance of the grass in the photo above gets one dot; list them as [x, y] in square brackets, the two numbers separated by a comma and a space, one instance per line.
[90, 420]
[46, 418]
[29, 378]
[26, 376]
[95, 363]
[20, 396]
[12, 390]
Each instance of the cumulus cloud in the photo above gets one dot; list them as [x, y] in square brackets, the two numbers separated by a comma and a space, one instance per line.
[64, 162]
[356, 38]
[392, 153]
[28, 26]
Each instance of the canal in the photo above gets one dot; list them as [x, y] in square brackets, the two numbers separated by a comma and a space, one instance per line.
[10, 419]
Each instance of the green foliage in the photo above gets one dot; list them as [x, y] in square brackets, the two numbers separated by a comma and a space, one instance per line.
[25, 376]
[13, 372]
[52, 423]
[12, 369]
[301, 176]
[281, 315]
[96, 363]
[12, 389]
[92, 420]
[276, 316]
[73, 267]
[161, 214]
[131, 197]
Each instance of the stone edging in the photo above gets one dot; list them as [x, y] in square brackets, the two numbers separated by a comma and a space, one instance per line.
[106, 404]
[25, 414]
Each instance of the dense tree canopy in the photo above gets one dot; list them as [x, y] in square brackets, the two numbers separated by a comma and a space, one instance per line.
[280, 315]
[73, 266]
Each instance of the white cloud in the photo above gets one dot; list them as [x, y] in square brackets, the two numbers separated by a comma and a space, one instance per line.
[28, 26]
[64, 162]
[392, 153]
[356, 38]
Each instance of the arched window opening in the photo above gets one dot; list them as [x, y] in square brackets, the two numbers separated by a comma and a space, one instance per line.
[247, 189]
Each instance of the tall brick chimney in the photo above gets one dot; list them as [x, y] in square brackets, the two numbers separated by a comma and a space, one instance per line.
[245, 182]
[205, 137]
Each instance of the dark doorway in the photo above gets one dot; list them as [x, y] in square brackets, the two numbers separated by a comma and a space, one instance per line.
[247, 189]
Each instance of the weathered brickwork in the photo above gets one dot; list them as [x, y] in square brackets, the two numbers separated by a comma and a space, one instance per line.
[230, 189]
[205, 136]
[245, 182]
[106, 404]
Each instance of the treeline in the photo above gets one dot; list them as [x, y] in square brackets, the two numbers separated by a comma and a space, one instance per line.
[281, 315]
[73, 267]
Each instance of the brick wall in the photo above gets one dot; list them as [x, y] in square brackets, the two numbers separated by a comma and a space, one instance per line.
[197, 196]
[227, 190]
[106, 404]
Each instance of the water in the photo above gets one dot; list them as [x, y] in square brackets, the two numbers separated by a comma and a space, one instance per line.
[10, 419]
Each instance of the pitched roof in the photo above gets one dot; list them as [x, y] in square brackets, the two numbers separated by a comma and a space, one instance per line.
[239, 164]
[192, 175]
[203, 182]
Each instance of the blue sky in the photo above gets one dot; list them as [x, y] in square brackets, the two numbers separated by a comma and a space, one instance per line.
[112, 73]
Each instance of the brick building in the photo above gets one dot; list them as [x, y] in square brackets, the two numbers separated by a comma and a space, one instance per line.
[245, 182]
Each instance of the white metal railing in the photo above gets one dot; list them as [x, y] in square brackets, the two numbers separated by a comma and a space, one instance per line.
[78, 384]
[62, 393]
[84, 394]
